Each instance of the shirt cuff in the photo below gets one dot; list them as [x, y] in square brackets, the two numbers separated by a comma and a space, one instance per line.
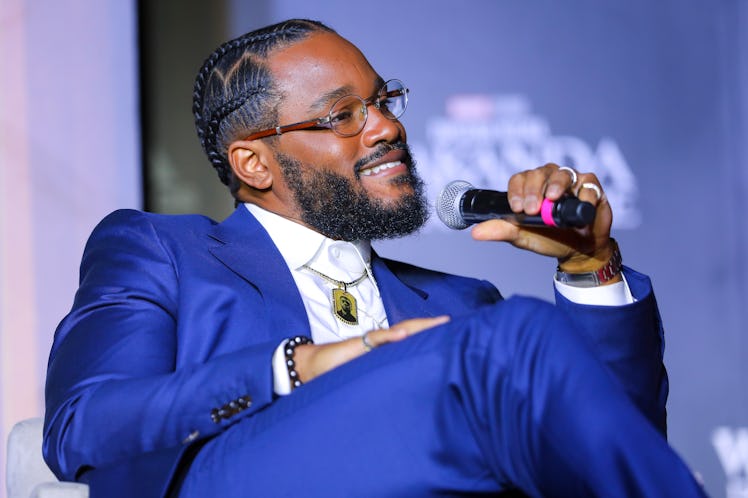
[281, 381]
[617, 294]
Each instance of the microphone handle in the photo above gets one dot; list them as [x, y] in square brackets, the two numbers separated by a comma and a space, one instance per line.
[480, 205]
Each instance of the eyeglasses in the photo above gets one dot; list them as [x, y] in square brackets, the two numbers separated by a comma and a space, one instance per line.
[347, 116]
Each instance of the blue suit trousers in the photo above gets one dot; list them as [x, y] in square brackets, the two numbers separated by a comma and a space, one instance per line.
[509, 397]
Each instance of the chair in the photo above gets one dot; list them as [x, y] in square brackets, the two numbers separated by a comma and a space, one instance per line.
[27, 476]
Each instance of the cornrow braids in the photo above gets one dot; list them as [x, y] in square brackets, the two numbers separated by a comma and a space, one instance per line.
[235, 93]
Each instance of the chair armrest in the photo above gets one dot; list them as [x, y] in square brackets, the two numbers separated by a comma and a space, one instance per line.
[60, 490]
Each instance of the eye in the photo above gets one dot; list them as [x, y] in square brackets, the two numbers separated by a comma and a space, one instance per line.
[340, 117]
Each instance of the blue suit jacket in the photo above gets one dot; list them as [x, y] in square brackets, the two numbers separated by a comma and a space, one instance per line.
[177, 317]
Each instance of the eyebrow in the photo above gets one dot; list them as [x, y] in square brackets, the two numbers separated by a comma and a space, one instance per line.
[327, 98]
[323, 102]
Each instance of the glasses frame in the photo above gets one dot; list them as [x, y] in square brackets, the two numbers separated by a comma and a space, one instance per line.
[324, 122]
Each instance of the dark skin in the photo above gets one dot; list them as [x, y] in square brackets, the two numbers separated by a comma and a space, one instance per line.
[311, 75]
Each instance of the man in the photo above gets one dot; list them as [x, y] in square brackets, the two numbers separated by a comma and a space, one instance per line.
[205, 359]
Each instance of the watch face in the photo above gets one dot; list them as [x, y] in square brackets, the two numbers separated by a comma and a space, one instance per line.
[578, 279]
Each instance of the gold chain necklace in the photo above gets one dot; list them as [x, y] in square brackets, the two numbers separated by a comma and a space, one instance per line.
[344, 306]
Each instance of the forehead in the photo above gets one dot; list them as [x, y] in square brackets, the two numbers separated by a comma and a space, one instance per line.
[316, 71]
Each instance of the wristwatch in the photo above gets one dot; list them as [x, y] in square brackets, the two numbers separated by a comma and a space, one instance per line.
[594, 278]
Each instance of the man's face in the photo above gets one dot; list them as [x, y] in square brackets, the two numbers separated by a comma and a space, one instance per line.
[359, 187]
[345, 304]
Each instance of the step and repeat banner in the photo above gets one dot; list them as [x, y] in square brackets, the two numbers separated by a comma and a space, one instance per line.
[653, 98]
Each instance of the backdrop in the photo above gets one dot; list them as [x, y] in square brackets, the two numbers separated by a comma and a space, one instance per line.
[650, 95]
[653, 96]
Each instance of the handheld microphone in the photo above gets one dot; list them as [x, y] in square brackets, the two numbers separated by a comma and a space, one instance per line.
[460, 205]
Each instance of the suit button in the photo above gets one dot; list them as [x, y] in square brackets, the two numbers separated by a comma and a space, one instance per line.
[191, 437]
[215, 416]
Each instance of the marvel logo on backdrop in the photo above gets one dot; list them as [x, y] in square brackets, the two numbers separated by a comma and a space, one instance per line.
[484, 139]
[731, 445]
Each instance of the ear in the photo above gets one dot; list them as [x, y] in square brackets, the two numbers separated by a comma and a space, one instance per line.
[248, 161]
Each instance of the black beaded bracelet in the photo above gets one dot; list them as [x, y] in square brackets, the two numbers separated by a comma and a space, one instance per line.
[289, 351]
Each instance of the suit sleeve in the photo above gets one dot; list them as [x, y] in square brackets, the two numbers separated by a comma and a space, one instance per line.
[113, 391]
[630, 340]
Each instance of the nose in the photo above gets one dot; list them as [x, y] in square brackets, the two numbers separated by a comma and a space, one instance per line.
[379, 128]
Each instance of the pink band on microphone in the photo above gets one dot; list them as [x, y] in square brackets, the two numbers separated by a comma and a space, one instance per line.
[546, 212]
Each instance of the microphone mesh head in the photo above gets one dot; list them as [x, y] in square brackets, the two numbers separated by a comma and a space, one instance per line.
[448, 204]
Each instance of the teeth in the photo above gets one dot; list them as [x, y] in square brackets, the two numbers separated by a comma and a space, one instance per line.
[381, 167]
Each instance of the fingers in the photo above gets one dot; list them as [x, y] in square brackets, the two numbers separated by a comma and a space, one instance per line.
[590, 191]
[313, 360]
[527, 189]
[572, 173]
[398, 332]
[495, 230]
[560, 181]
[415, 325]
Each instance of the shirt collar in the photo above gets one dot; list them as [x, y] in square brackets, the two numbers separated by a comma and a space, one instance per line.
[300, 246]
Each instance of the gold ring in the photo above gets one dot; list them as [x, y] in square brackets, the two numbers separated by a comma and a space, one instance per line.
[593, 187]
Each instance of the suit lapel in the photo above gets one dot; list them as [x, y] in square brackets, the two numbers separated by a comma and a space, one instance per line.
[242, 245]
[400, 300]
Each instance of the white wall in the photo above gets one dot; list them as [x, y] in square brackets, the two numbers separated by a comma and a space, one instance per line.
[69, 154]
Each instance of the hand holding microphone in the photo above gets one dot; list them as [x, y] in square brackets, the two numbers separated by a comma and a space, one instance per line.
[460, 205]
[585, 248]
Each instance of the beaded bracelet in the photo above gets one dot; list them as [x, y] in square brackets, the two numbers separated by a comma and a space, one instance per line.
[289, 351]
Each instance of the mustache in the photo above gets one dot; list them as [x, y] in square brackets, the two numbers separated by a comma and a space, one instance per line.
[381, 151]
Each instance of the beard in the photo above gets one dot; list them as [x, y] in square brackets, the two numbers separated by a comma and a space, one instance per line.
[341, 209]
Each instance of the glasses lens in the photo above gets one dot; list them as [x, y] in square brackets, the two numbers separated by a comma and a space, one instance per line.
[393, 99]
[348, 115]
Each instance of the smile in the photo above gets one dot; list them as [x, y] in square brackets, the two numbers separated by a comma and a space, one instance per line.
[381, 167]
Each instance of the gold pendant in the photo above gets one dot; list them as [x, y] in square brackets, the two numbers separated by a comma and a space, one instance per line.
[344, 307]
